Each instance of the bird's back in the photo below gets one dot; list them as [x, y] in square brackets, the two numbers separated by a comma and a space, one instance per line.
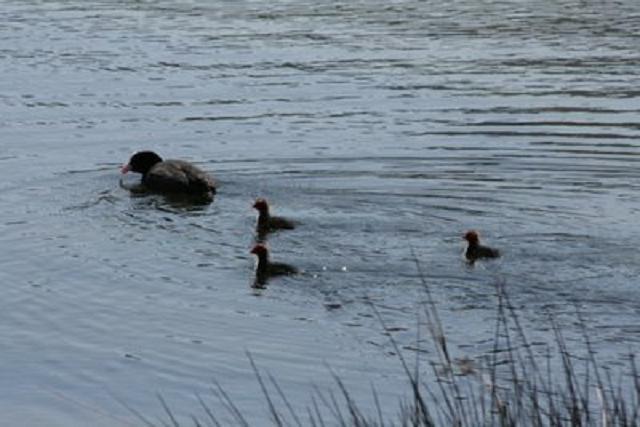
[281, 269]
[475, 252]
[178, 176]
[280, 223]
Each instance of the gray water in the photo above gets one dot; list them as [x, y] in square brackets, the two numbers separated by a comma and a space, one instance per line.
[382, 127]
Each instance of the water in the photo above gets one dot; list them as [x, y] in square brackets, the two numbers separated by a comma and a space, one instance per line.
[380, 126]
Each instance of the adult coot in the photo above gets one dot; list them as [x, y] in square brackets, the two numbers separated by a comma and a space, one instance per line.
[176, 177]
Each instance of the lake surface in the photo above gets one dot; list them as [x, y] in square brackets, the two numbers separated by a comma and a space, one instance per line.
[382, 127]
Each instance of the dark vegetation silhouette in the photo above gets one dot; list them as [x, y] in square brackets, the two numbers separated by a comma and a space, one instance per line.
[511, 386]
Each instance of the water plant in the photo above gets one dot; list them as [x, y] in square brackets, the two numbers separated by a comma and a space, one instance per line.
[510, 386]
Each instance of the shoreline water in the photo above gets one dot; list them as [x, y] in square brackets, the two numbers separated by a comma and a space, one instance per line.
[379, 127]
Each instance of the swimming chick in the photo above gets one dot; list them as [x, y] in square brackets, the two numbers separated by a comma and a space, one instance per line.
[475, 250]
[267, 222]
[266, 269]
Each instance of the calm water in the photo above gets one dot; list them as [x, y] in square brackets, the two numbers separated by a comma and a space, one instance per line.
[380, 126]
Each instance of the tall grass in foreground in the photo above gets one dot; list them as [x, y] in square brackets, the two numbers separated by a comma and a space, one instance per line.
[511, 386]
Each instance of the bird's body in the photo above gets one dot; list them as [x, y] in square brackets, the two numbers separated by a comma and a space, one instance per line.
[279, 269]
[477, 251]
[266, 269]
[177, 177]
[268, 223]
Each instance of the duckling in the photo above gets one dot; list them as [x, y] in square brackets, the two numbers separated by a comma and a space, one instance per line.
[268, 223]
[475, 250]
[267, 269]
